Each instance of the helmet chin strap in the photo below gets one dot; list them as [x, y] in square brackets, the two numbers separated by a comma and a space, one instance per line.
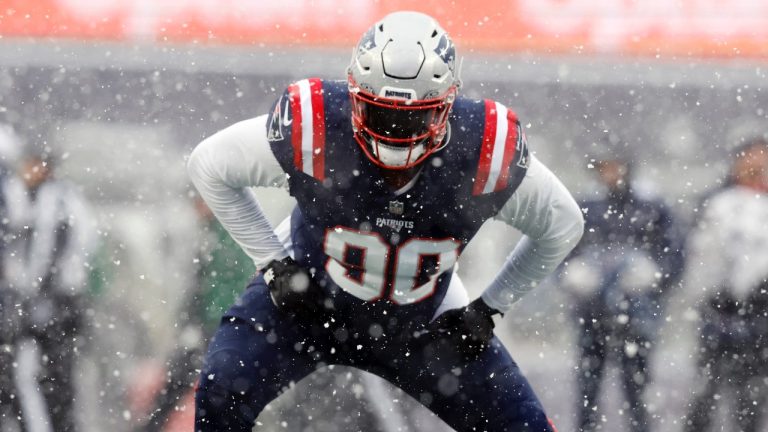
[446, 138]
[397, 156]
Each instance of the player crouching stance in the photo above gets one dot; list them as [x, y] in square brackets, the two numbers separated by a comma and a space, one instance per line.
[393, 175]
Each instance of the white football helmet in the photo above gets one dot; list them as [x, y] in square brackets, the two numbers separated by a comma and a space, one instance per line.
[402, 83]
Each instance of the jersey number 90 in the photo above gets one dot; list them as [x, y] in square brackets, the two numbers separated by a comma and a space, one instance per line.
[370, 282]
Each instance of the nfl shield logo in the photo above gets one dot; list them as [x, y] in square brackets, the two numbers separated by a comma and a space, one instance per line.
[396, 207]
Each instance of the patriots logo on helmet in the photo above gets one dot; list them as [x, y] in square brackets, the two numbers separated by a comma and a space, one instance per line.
[446, 51]
[368, 41]
[276, 120]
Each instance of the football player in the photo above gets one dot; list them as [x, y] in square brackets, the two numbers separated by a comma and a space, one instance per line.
[393, 174]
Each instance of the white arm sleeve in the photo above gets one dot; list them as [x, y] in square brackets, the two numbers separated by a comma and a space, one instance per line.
[551, 223]
[223, 168]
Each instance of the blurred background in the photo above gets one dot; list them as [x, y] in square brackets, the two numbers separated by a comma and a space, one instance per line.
[124, 89]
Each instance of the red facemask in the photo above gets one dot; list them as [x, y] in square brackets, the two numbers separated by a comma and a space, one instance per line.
[411, 130]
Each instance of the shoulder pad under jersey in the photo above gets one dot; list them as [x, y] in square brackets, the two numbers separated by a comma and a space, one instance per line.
[503, 159]
[296, 129]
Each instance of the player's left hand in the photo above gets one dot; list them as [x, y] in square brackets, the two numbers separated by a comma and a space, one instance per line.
[469, 328]
[294, 290]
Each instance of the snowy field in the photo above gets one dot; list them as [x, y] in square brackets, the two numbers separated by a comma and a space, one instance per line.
[126, 116]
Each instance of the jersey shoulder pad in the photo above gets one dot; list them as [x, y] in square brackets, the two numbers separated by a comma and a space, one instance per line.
[503, 159]
[296, 128]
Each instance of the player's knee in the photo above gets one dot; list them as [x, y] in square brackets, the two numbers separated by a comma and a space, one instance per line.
[225, 394]
[522, 417]
[227, 370]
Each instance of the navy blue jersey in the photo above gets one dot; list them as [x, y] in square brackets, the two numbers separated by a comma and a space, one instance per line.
[368, 245]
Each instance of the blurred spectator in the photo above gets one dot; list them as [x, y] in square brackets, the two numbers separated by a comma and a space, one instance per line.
[223, 271]
[727, 277]
[10, 148]
[618, 275]
[50, 235]
[10, 408]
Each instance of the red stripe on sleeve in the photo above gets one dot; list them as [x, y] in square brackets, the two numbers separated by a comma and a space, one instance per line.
[552, 425]
[294, 94]
[318, 129]
[486, 152]
[509, 150]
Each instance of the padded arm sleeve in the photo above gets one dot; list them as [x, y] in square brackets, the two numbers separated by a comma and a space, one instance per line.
[551, 223]
[223, 168]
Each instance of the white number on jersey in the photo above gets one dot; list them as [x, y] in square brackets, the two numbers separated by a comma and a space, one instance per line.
[371, 283]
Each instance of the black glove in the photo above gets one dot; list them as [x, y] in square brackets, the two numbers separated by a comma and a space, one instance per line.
[294, 290]
[470, 328]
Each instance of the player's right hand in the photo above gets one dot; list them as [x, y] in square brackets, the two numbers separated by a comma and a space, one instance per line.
[469, 329]
[294, 290]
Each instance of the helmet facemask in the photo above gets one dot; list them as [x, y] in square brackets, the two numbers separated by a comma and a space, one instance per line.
[402, 85]
[399, 133]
